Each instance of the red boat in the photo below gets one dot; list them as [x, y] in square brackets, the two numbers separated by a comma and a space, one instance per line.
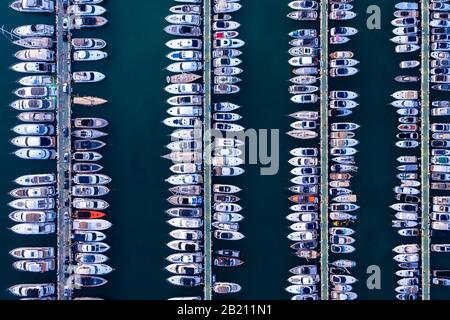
[225, 34]
[88, 214]
[304, 199]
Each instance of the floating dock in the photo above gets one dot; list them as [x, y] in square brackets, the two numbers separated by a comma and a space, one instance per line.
[206, 149]
[63, 117]
[425, 151]
[324, 150]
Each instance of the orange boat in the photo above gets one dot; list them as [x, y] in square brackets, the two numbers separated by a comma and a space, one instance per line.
[340, 176]
[89, 101]
[88, 214]
[304, 199]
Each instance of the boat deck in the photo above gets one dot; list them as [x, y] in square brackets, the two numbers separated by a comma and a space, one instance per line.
[207, 153]
[324, 150]
[63, 116]
[425, 150]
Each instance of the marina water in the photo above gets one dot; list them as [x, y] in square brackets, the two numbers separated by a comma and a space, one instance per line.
[137, 136]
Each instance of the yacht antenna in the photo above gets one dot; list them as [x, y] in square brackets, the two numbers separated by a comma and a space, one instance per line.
[8, 34]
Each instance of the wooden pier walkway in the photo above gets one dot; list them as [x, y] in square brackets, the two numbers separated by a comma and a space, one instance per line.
[324, 150]
[207, 212]
[425, 151]
[63, 117]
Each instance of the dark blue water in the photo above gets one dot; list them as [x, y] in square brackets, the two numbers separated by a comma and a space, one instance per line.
[136, 138]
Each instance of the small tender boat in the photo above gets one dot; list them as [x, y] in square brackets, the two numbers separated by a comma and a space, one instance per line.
[342, 15]
[186, 8]
[192, 257]
[185, 100]
[339, 40]
[185, 55]
[303, 33]
[87, 145]
[92, 269]
[90, 258]
[406, 48]
[82, 22]
[341, 55]
[184, 19]
[184, 245]
[227, 71]
[222, 16]
[343, 31]
[338, 295]
[88, 236]
[87, 76]
[185, 44]
[303, 15]
[226, 7]
[227, 43]
[187, 281]
[188, 269]
[88, 43]
[227, 217]
[86, 10]
[185, 88]
[342, 279]
[305, 115]
[89, 55]
[343, 72]
[303, 50]
[92, 247]
[301, 289]
[91, 224]
[217, 53]
[227, 261]
[183, 222]
[224, 188]
[89, 191]
[88, 133]
[409, 232]
[86, 203]
[91, 179]
[404, 31]
[88, 214]
[183, 30]
[90, 123]
[188, 66]
[226, 287]
[225, 25]
[185, 234]
[405, 39]
[336, 63]
[89, 281]
[407, 79]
